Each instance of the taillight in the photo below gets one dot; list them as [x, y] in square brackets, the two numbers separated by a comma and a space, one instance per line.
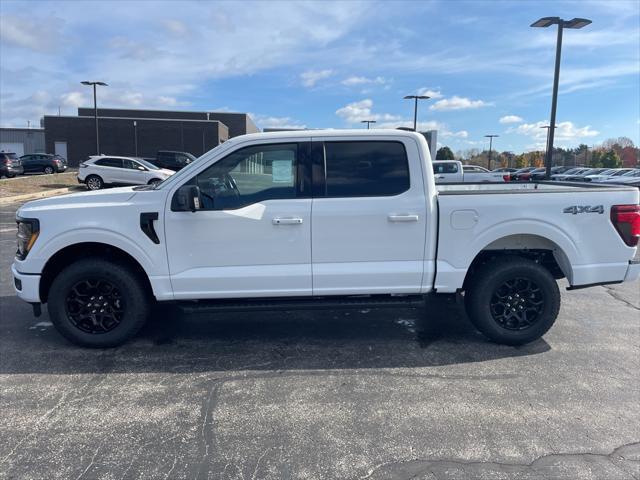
[626, 219]
[506, 178]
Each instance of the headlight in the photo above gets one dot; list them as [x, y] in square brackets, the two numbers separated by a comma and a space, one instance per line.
[28, 230]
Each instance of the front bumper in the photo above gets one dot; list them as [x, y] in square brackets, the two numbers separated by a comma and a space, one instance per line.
[26, 285]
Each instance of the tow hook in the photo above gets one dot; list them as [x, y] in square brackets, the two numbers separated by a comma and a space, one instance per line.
[37, 309]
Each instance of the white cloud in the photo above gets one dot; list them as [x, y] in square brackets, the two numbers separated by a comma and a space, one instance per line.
[311, 77]
[430, 93]
[355, 80]
[355, 112]
[176, 27]
[511, 119]
[266, 121]
[27, 32]
[457, 103]
[566, 133]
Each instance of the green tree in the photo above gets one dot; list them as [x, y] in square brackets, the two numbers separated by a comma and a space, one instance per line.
[611, 159]
[444, 153]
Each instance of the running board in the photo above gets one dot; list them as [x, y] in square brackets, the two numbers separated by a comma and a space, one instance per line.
[302, 303]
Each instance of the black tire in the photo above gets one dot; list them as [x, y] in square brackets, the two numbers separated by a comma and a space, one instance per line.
[94, 182]
[512, 300]
[49, 170]
[73, 314]
[12, 175]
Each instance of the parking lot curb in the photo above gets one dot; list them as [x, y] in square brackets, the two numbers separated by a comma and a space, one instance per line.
[36, 195]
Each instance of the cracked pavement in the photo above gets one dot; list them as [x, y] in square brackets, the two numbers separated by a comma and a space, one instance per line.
[374, 394]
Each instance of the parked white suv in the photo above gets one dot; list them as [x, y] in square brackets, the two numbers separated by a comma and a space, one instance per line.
[317, 219]
[101, 170]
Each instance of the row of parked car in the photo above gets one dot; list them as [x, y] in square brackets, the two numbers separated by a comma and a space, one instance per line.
[629, 176]
[11, 165]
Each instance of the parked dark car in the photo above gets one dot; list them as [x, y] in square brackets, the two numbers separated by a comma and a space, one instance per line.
[10, 165]
[43, 163]
[522, 174]
[540, 173]
[172, 160]
[505, 170]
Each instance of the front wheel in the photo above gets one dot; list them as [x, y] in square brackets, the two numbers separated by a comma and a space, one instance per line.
[513, 300]
[96, 303]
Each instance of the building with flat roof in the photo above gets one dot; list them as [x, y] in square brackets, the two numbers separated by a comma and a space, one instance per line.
[130, 132]
[22, 141]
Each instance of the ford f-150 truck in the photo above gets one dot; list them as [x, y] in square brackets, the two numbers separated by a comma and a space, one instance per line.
[308, 219]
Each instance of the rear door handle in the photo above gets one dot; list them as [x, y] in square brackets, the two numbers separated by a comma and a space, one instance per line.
[403, 218]
[287, 221]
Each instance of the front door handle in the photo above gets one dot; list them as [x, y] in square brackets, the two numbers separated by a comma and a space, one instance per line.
[287, 221]
[403, 218]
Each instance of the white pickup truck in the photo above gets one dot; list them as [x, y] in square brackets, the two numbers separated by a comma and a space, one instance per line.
[453, 171]
[308, 219]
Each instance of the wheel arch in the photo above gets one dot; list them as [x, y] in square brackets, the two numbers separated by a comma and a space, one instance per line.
[538, 248]
[67, 255]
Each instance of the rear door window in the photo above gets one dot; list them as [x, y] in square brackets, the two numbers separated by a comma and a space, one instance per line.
[109, 162]
[365, 168]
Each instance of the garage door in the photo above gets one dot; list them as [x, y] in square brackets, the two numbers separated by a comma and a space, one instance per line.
[17, 148]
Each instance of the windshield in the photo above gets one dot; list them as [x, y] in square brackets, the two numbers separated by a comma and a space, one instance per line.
[632, 173]
[149, 165]
[619, 172]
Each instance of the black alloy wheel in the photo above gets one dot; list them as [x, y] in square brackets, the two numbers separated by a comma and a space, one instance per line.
[517, 304]
[95, 306]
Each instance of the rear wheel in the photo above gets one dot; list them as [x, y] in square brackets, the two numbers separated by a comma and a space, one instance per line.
[513, 300]
[48, 170]
[96, 303]
[94, 182]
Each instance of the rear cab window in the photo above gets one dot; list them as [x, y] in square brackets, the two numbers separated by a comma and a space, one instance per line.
[365, 168]
[440, 168]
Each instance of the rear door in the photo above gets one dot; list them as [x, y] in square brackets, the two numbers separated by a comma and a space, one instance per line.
[447, 172]
[109, 169]
[368, 216]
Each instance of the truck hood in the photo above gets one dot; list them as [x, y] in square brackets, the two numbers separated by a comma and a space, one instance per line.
[78, 200]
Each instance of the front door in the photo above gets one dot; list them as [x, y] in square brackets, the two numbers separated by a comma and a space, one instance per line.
[251, 236]
[369, 217]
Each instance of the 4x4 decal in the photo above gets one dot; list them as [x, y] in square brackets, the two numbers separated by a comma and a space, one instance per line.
[575, 209]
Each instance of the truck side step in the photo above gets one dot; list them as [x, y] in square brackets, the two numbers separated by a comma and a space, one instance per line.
[302, 303]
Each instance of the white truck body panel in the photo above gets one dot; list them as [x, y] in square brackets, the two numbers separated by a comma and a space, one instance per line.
[422, 239]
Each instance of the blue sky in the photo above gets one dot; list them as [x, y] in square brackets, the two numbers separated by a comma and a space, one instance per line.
[332, 64]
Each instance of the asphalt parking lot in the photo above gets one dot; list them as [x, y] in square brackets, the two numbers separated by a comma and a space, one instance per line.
[323, 395]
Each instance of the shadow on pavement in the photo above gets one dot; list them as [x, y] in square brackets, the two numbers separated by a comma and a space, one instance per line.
[173, 342]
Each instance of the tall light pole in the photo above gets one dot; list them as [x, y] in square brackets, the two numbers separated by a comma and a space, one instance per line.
[575, 23]
[490, 137]
[546, 148]
[368, 122]
[415, 108]
[95, 109]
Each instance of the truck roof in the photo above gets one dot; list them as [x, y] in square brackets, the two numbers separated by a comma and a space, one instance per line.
[378, 132]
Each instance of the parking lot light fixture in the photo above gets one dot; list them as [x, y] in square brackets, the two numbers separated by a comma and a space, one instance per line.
[415, 108]
[490, 137]
[368, 122]
[575, 23]
[95, 109]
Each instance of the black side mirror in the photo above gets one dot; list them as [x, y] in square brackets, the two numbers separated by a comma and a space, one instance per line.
[186, 199]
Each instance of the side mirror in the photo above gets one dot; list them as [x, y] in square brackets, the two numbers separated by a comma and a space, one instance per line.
[186, 199]
[141, 168]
